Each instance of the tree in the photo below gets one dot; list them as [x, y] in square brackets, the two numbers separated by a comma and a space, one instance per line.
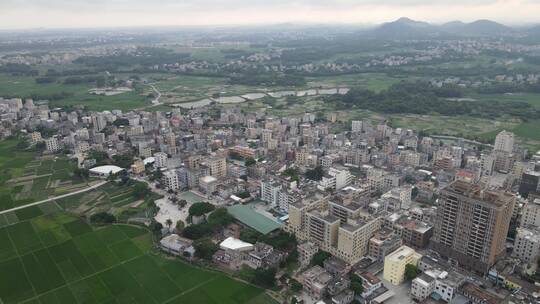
[265, 277]
[81, 172]
[205, 249]
[319, 258]
[179, 226]
[243, 194]
[100, 156]
[249, 235]
[156, 228]
[121, 122]
[102, 218]
[141, 190]
[411, 271]
[201, 208]
[280, 240]
[356, 284]
[220, 218]
[123, 160]
[156, 175]
[250, 161]
[169, 223]
[198, 231]
[295, 285]
[315, 174]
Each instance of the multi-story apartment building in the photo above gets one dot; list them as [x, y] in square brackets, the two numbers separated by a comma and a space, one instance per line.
[170, 180]
[35, 137]
[306, 251]
[395, 262]
[217, 166]
[336, 179]
[382, 181]
[383, 243]
[530, 213]
[160, 160]
[244, 152]
[51, 144]
[527, 244]
[471, 224]
[137, 167]
[316, 281]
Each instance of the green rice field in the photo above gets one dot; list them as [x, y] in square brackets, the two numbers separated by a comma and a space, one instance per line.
[77, 94]
[48, 256]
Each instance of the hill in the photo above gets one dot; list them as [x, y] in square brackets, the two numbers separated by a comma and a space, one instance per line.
[405, 28]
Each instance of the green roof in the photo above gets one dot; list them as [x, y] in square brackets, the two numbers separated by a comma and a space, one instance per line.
[249, 217]
[192, 197]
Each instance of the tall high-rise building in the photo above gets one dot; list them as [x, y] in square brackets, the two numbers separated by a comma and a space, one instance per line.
[99, 122]
[471, 224]
[504, 142]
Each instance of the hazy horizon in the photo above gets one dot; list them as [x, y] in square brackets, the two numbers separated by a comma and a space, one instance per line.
[139, 13]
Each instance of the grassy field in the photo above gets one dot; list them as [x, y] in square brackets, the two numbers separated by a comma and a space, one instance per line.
[50, 257]
[21, 86]
[211, 53]
[531, 98]
[26, 179]
[371, 81]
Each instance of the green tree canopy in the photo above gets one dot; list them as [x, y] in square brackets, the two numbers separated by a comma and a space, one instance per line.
[319, 258]
[411, 271]
[141, 190]
[315, 174]
[102, 218]
[205, 249]
[220, 218]
[201, 208]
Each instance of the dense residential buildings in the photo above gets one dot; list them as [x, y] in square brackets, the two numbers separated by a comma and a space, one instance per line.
[374, 200]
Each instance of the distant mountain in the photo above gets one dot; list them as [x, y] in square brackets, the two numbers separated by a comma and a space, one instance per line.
[477, 28]
[408, 28]
[534, 30]
[453, 26]
[404, 28]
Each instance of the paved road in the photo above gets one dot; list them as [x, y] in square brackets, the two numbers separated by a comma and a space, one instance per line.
[55, 198]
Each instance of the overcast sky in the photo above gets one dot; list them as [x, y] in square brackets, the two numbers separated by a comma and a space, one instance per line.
[104, 13]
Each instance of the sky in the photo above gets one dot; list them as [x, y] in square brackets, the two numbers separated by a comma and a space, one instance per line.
[20, 14]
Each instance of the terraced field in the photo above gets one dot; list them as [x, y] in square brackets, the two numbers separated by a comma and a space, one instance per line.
[111, 197]
[25, 179]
